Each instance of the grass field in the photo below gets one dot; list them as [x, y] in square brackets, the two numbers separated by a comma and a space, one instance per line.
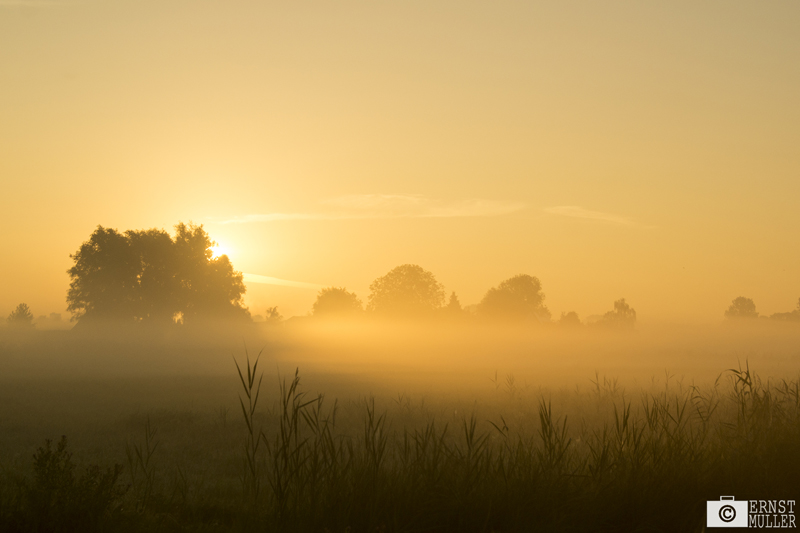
[522, 435]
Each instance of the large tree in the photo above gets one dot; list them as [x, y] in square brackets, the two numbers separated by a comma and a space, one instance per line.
[105, 277]
[147, 276]
[157, 292]
[518, 297]
[207, 286]
[406, 290]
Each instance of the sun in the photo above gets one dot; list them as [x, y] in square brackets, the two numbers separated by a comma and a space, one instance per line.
[218, 251]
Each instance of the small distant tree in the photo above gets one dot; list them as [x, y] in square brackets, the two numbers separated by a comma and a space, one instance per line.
[407, 290]
[336, 301]
[623, 315]
[518, 297]
[742, 307]
[273, 316]
[454, 305]
[21, 317]
[569, 319]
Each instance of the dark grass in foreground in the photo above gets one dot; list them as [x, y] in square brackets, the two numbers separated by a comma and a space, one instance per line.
[648, 463]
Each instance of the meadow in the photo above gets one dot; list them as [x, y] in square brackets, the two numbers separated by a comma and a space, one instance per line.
[335, 427]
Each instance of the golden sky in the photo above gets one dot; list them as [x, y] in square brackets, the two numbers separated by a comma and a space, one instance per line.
[613, 149]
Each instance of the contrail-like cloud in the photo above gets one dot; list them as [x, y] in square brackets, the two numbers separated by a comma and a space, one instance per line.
[387, 206]
[578, 212]
[268, 280]
[32, 3]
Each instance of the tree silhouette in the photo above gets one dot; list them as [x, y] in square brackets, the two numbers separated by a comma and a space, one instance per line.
[454, 305]
[406, 290]
[519, 297]
[791, 315]
[273, 316]
[158, 287]
[207, 287]
[623, 315]
[147, 276]
[336, 301]
[742, 307]
[21, 317]
[104, 278]
[569, 319]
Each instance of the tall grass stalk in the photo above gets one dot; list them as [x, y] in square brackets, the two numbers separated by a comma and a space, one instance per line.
[251, 477]
[141, 467]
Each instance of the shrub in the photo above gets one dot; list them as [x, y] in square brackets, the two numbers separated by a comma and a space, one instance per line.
[56, 500]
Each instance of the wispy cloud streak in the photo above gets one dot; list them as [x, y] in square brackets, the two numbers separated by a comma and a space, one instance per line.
[33, 3]
[268, 280]
[386, 206]
[578, 212]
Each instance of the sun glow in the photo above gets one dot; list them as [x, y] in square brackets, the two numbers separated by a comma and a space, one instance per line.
[218, 251]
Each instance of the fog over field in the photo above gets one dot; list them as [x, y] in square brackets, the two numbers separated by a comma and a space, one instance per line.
[457, 354]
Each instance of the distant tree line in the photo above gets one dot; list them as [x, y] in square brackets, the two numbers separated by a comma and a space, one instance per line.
[21, 318]
[409, 291]
[745, 308]
[151, 277]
